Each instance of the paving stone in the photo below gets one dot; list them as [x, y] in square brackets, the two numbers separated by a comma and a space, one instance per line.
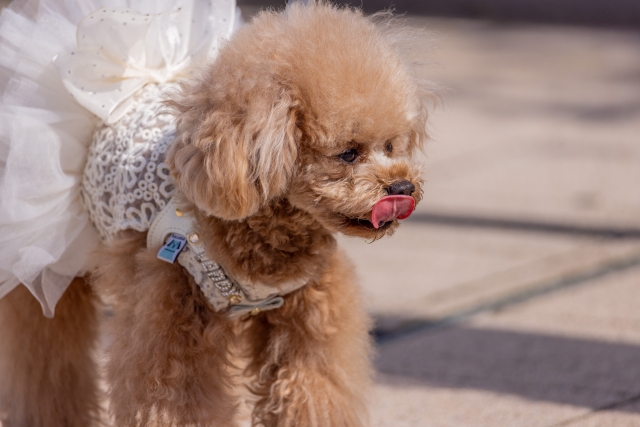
[607, 310]
[526, 381]
[539, 123]
[554, 361]
[428, 272]
[401, 402]
[538, 367]
[622, 416]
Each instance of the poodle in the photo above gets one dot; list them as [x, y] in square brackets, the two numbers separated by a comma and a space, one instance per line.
[307, 124]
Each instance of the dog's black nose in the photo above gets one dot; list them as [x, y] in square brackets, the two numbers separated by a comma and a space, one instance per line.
[401, 187]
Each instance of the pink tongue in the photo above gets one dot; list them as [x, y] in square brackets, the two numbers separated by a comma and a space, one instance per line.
[391, 207]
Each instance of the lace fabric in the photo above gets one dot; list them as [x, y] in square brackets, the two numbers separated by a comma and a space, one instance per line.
[49, 111]
[126, 182]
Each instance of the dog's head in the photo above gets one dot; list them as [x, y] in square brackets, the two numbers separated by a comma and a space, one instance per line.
[312, 105]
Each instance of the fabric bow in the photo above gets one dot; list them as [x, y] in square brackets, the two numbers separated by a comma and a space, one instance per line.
[121, 50]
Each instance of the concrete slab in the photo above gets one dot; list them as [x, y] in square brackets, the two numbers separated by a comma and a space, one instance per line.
[539, 122]
[538, 367]
[570, 358]
[400, 402]
[621, 416]
[428, 272]
[606, 310]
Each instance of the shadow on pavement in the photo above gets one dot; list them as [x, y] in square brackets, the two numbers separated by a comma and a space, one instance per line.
[572, 371]
[470, 221]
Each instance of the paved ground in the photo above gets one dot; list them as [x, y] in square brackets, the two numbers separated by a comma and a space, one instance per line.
[513, 296]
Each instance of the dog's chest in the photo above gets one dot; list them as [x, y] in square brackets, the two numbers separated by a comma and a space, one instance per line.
[127, 185]
[126, 182]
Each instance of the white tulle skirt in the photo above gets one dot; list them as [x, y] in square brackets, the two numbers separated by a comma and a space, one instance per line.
[45, 233]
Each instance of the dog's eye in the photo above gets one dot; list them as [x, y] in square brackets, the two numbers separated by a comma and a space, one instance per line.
[388, 147]
[349, 156]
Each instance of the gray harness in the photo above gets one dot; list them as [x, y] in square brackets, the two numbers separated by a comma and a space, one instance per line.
[176, 235]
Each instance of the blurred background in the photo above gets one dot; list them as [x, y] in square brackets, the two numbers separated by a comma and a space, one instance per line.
[610, 13]
[512, 296]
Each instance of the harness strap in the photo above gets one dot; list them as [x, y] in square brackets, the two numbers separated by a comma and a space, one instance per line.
[221, 290]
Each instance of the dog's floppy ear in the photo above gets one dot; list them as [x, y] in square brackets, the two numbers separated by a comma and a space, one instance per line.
[235, 149]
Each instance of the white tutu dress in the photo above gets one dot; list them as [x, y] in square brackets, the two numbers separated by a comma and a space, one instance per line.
[67, 68]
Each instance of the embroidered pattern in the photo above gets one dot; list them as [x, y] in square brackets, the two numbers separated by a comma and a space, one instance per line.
[126, 182]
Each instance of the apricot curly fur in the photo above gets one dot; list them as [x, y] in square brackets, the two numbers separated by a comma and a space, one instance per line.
[257, 161]
[168, 356]
[312, 357]
[47, 373]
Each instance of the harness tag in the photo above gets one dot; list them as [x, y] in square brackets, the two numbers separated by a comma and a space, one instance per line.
[170, 251]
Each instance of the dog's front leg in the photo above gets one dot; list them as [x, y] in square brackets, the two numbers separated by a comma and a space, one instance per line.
[313, 358]
[47, 374]
[168, 354]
